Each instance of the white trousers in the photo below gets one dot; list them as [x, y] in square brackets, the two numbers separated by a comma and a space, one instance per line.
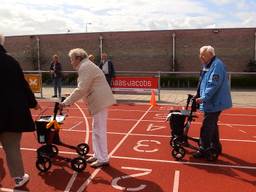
[99, 135]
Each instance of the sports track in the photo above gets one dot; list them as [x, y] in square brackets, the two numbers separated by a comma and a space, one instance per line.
[140, 154]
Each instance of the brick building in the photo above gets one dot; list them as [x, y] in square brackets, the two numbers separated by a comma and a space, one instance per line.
[167, 50]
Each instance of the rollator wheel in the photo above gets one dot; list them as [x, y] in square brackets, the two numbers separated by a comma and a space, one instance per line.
[43, 164]
[78, 164]
[54, 150]
[172, 142]
[212, 154]
[82, 149]
[178, 153]
[41, 151]
[48, 151]
[177, 141]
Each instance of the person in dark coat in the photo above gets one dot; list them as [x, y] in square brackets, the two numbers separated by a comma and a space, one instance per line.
[107, 67]
[15, 116]
[56, 71]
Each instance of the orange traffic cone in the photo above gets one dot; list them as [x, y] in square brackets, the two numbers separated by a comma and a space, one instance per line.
[153, 98]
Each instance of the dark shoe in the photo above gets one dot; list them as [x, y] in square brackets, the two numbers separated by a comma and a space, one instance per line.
[91, 159]
[198, 154]
[98, 164]
[217, 147]
[54, 96]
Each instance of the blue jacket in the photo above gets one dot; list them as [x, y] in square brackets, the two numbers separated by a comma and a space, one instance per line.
[214, 88]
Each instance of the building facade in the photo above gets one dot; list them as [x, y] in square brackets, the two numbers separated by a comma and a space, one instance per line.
[167, 50]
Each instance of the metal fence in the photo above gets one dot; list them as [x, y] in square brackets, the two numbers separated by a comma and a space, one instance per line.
[167, 80]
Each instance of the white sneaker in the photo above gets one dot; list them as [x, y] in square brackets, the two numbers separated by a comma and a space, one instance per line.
[97, 164]
[91, 159]
[20, 181]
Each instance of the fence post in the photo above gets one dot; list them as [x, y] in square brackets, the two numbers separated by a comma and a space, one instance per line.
[229, 79]
[159, 85]
[41, 74]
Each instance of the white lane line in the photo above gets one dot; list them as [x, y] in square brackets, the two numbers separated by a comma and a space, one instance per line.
[176, 181]
[73, 177]
[242, 131]
[239, 140]
[87, 182]
[187, 163]
[71, 181]
[246, 115]
[79, 123]
[163, 161]
[11, 190]
[86, 140]
[166, 136]
[163, 121]
[73, 153]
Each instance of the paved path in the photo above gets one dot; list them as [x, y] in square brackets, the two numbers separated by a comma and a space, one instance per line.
[241, 98]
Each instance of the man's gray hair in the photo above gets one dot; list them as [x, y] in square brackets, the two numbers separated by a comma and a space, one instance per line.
[207, 48]
[1, 39]
[78, 52]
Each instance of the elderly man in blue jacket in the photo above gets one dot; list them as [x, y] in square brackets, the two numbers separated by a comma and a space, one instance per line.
[213, 97]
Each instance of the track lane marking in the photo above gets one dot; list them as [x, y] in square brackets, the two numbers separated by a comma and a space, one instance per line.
[166, 136]
[76, 125]
[74, 175]
[163, 121]
[11, 190]
[176, 181]
[164, 161]
[187, 163]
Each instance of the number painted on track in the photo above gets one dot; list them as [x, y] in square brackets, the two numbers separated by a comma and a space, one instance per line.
[152, 127]
[143, 172]
[145, 144]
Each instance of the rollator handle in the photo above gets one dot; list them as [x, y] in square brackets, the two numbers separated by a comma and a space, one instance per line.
[188, 100]
[55, 110]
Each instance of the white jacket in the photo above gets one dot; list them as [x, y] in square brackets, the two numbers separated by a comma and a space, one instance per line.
[92, 87]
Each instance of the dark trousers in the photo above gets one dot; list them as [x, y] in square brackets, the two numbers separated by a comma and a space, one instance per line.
[57, 86]
[209, 135]
[109, 79]
[11, 145]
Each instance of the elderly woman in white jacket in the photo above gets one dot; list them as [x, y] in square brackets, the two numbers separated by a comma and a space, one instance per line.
[93, 88]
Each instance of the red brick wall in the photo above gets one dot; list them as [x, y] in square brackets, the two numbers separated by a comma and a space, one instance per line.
[140, 50]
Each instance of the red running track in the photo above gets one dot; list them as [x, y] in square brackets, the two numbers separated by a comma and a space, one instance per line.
[140, 154]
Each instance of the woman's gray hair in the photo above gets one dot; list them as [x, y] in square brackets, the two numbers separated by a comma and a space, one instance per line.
[1, 39]
[78, 52]
[207, 48]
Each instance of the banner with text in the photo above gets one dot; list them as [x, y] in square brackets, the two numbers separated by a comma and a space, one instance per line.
[135, 84]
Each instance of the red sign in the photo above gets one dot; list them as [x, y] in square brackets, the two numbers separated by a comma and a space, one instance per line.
[135, 84]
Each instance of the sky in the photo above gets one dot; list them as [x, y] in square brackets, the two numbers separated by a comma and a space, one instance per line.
[31, 17]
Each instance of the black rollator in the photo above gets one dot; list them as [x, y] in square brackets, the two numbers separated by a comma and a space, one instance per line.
[180, 122]
[47, 128]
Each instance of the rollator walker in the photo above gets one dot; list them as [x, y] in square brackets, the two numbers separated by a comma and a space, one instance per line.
[47, 129]
[180, 122]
